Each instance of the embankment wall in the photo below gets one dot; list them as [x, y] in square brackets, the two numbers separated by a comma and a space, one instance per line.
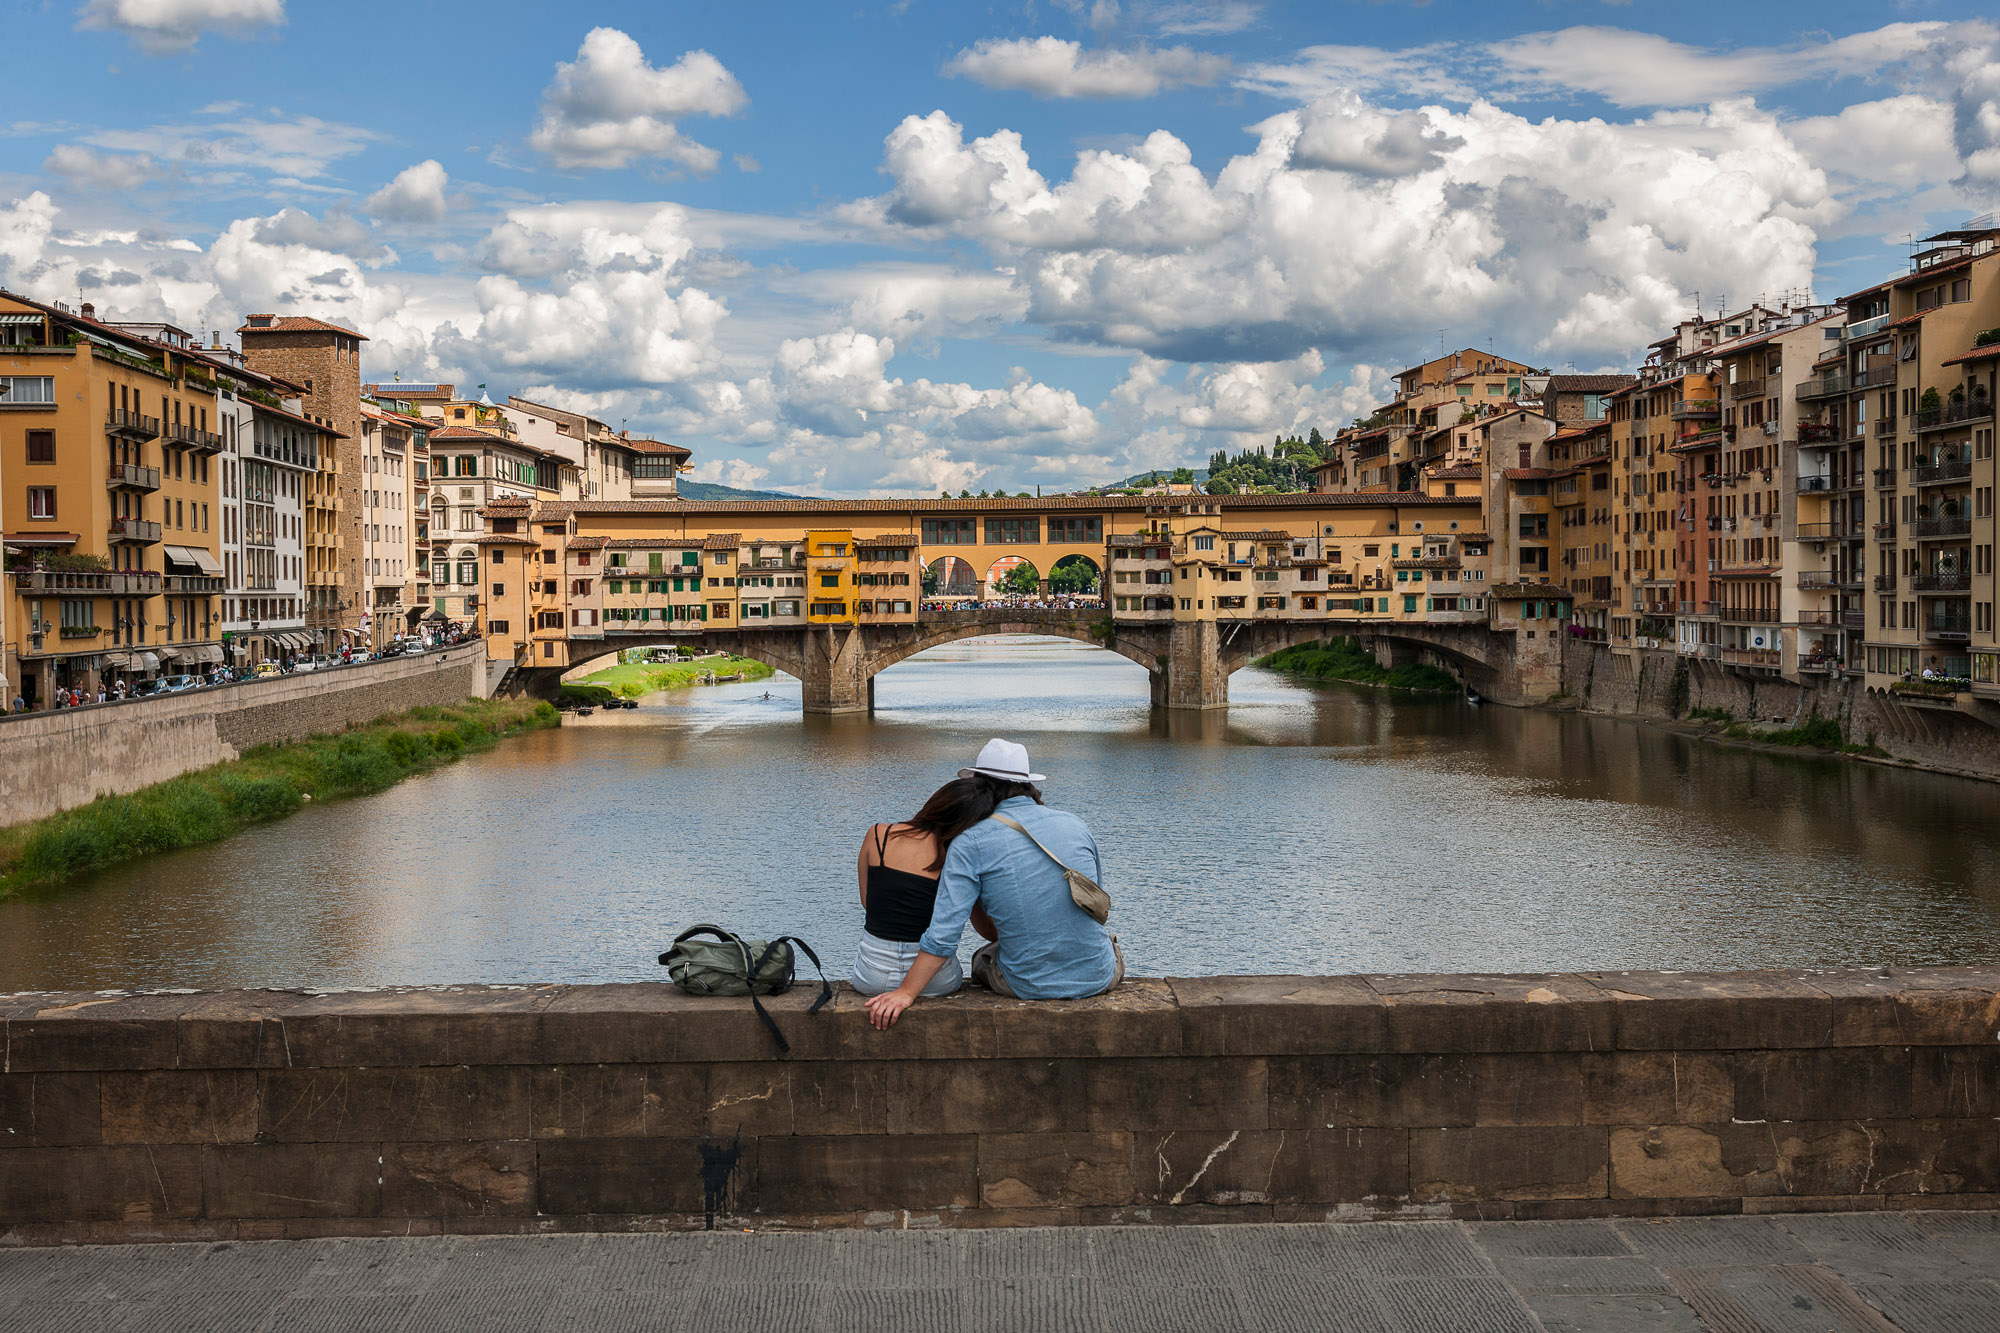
[1661, 685]
[57, 760]
[538, 1108]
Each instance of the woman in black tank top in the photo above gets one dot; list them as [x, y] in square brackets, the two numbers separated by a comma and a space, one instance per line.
[898, 870]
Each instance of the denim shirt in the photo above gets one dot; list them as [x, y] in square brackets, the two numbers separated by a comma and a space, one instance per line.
[1050, 949]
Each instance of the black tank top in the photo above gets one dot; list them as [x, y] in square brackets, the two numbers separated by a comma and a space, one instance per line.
[899, 901]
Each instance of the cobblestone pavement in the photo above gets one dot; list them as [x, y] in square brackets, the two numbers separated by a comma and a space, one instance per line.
[1827, 1273]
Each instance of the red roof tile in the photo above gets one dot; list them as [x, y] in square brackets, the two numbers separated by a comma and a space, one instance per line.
[296, 324]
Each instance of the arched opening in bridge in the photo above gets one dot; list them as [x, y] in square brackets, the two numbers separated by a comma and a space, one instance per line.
[1013, 576]
[948, 576]
[1076, 576]
[1013, 675]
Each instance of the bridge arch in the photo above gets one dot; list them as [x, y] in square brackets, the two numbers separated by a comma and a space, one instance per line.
[933, 636]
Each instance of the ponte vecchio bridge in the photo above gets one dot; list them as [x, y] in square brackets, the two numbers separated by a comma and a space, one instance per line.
[1192, 587]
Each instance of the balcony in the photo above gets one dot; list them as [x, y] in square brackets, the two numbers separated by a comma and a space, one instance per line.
[1838, 619]
[1885, 429]
[80, 631]
[1747, 389]
[1826, 386]
[1931, 529]
[1942, 581]
[1948, 629]
[66, 583]
[1697, 409]
[1940, 474]
[133, 532]
[131, 477]
[1814, 485]
[1862, 328]
[1825, 580]
[1885, 583]
[1757, 657]
[1747, 615]
[131, 425]
[1885, 532]
[1925, 691]
[1876, 376]
[1816, 532]
[1954, 414]
[186, 436]
[1813, 433]
[192, 585]
[1885, 479]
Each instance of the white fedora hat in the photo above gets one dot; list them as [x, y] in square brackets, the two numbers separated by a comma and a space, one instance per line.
[1004, 760]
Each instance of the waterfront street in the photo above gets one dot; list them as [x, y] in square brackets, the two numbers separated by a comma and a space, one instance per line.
[1832, 1273]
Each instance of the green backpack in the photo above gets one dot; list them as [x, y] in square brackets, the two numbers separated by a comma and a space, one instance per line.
[723, 965]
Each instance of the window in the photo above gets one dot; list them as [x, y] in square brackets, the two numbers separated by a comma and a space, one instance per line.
[465, 465]
[468, 572]
[18, 389]
[829, 580]
[1204, 543]
[721, 557]
[1076, 530]
[950, 532]
[41, 445]
[41, 502]
[1013, 531]
[499, 590]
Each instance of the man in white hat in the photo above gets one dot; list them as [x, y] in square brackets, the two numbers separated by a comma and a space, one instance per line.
[1045, 946]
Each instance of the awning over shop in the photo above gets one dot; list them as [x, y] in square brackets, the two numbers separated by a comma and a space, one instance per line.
[195, 556]
[13, 320]
[145, 662]
[207, 652]
[117, 661]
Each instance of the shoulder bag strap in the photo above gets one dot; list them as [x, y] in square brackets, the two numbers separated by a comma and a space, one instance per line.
[825, 986]
[1018, 828]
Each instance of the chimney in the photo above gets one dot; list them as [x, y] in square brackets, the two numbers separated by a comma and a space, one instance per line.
[89, 310]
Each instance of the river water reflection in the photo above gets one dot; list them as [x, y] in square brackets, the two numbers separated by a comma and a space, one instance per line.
[1310, 829]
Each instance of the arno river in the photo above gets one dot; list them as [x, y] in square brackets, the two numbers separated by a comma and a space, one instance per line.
[1311, 829]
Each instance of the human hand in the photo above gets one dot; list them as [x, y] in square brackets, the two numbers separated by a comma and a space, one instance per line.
[884, 1009]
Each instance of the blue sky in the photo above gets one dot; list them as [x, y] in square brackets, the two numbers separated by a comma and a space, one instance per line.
[903, 247]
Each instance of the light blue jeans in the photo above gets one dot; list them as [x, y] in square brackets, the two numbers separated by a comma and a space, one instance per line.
[880, 966]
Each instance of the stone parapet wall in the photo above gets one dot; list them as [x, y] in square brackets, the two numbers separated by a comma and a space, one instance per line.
[58, 760]
[536, 1108]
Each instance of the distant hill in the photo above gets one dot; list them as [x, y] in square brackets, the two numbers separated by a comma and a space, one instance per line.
[1151, 478]
[713, 490]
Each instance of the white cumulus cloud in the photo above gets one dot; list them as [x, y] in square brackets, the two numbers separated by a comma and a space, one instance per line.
[417, 194]
[163, 27]
[1052, 67]
[609, 108]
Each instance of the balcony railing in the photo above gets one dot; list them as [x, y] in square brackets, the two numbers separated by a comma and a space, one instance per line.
[1954, 414]
[201, 441]
[1814, 485]
[132, 477]
[1875, 375]
[1696, 409]
[1885, 429]
[1938, 474]
[1826, 386]
[1885, 583]
[1831, 618]
[1885, 532]
[1815, 432]
[1951, 629]
[138, 531]
[1748, 615]
[1816, 532]
[1885, 479]
[1761, 657]
[132, 425]
[108, 583]
[1941, 581]
[1933, 528]
[1747, 389]
[193, 584]
[1823, 580]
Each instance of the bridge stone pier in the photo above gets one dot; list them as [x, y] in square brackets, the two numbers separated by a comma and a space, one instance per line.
[1189, 661]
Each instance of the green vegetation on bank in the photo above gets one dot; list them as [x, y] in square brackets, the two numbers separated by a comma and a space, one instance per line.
[267, 783]
[1344, 659]
[634, 679]
[1815, 733]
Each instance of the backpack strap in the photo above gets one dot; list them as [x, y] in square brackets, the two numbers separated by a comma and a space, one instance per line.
[825, 986]
[717, 932]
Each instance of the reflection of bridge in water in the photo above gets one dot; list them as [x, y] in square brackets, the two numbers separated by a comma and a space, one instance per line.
[1189, 662]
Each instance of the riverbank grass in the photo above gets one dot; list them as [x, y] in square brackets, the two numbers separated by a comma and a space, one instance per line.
[631, 680]
[267, 783]
[1815, 733]
[1344, 659]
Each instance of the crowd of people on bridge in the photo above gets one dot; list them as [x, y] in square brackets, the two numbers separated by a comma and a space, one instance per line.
[1056, 602]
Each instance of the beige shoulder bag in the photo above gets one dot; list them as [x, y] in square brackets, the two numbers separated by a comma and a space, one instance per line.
[1083, 890]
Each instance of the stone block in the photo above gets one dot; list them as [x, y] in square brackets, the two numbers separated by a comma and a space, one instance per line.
[1806, 1159]
[1280, 1015]
[235, 1030]
[1360, 1166]
[751, 1099]
[1176, 1094]
[123, 1184]
[1658, 1088]
[1507, 1162]
[618, 1100]
[94, 1032]
[180, 1106]
[1227, 1167]
[646, 1023]
[841, 1096]
[321, 1105]
[1443, 1014]
[1850, 1083]
[988, 1096]
[1927, 1006]
[1955, 1081]
[1530, 1088]
[1322, 1092]
[1715, 1011]
[48, 1111]
[1139, 1018]
[622, 1176]
[458, 1179]
[469, 1025]
[829, 1173]
[1055, 1170]
[251, 1180]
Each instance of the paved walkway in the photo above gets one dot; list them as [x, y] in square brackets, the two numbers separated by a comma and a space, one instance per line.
[1873, 1272]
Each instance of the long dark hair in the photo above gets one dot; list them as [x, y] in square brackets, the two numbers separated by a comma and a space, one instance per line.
[951, 810]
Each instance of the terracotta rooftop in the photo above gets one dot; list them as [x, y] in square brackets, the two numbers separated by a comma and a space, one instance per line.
[1458, 472]
[1262, 535]
[890, 539]
[588, 543]
[449, 433]
[657, 447]
[1537, 473]
[426, 392]
[721, 541]
[294, 324]
[1101, 504]
[1590, 383]
[1986, 353]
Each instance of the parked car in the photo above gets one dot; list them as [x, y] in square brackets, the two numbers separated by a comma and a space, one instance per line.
[145, 689]
[267, 668]
[176, 683]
